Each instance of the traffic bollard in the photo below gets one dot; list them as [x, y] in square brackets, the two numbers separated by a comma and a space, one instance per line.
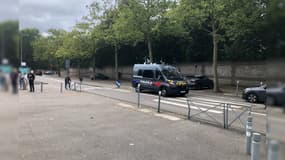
[138, 91]
[74, 86]
[80, 86]
[248, 134]
[41, 87]
[189, 108]
[255, 146]
[61, 86]
[273, 150]
[249, 110]
[159, 97]
[226, 116]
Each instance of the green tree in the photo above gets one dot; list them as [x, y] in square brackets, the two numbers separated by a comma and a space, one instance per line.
[144, 16]
[49, 48]
[221, 19]
[109, 25]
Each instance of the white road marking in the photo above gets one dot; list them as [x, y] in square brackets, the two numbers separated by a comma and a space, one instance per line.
[201, 103]
[259, 114]
[186, 106]
[125, 105]
[89, 88]
[105, 88]
[145, 110]
[233, 104]
[169, 117]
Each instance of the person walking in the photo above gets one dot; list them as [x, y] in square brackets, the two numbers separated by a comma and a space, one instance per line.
[67, 82]
[31, 78]
[14, 81]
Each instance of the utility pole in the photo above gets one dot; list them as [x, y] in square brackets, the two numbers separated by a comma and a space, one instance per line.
[3, 44]
[21, 40]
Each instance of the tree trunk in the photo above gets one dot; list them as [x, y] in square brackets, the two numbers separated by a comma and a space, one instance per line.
[58, 68]
[79, 72]
[116, 63]
[94, 66]
[149, 46]
[215, 60]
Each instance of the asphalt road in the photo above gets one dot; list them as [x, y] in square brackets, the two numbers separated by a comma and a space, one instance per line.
[205, 107]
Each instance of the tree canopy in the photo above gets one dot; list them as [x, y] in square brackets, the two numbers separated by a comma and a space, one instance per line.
[175, 31]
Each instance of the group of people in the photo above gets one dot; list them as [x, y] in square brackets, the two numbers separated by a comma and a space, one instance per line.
[14, 77]
[19, 80]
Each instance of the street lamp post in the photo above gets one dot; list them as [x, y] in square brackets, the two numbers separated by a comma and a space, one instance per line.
[21, 49]
[3, 45]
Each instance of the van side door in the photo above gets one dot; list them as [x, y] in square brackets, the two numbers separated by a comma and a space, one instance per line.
[148, 77]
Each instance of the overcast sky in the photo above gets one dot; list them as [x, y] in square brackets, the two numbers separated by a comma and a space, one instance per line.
[44, 14]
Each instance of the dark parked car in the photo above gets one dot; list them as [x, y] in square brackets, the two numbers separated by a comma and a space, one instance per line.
[39, 72]
[274, 96]
[199, 82]
[255, 94]
[100, 76]
[49, 72]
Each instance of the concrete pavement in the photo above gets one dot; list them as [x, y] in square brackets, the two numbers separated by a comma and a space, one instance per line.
[71, 125]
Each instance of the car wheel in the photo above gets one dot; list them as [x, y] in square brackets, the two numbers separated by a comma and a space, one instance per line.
[163, 91]
[270, 101]
[252, 98]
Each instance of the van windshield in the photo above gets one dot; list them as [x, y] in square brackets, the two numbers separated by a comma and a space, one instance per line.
[172, 73]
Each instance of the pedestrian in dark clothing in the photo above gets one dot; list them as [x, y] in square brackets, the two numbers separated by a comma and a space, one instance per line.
[31, 78]
[14, 81]
[67, 82]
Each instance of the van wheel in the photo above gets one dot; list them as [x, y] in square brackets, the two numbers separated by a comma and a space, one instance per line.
[163, 91]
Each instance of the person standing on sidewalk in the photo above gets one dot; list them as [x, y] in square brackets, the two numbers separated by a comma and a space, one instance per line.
[14, 81]
[31, 78]
[67, 82]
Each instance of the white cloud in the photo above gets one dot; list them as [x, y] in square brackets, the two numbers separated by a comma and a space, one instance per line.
[46, 14]
[9, 9]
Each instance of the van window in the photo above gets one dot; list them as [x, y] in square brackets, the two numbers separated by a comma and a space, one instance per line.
[140, 72]
[148, 74]
[158, 75]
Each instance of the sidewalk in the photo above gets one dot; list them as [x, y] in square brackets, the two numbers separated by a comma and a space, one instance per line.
[73, 125]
